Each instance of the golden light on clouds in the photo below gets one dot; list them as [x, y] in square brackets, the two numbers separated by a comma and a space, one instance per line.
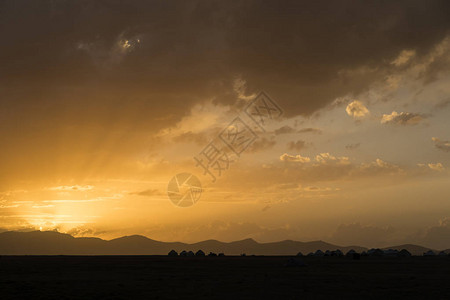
[357, 110]
[95, 123]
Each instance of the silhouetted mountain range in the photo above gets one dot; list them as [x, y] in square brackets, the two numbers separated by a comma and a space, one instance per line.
[55, 243]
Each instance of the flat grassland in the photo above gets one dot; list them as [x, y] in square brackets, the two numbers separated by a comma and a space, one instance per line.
[261, 277]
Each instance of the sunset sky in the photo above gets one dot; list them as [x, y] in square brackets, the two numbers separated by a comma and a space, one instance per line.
[103, 102]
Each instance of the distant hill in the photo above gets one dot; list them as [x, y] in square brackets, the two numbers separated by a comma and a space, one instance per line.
[55, 243]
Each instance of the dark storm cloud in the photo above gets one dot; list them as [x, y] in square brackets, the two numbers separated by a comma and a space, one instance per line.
[76, 74]
[169, 54]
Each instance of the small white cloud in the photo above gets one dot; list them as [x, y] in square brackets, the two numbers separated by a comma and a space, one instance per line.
[43, 206]
[294, 158]
[9, 206]
[403, 118]
[316, 189]
[325, 158]
[436, 167]
[80, 188]
[380, 166]
[357, 110]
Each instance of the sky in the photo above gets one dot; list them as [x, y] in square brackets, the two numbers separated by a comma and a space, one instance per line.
[102, 103]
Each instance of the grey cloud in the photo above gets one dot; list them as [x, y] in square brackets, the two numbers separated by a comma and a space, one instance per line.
[262, 144]
[266, 208]
[352, 146]
[149, 192]
[284, 130]
[297, 146]
[288, 130]
[441, 145]
[310, 130]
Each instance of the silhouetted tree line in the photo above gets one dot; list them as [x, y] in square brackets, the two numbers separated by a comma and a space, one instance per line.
[374, 252]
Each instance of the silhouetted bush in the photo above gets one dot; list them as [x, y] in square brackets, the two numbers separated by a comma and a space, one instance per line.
[391, 252]
[337, 253]
[375, 252]
[404, 253]
[319, 253]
